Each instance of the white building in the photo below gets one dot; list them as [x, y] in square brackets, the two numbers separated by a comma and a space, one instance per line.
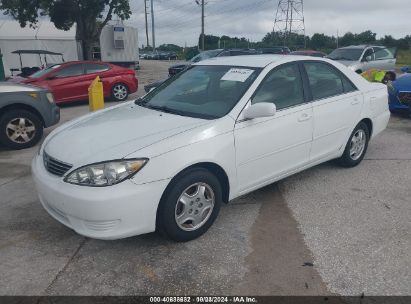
[118, 44]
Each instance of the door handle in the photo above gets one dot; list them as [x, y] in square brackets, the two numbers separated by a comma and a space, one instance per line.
[355, 101]
[304, 117]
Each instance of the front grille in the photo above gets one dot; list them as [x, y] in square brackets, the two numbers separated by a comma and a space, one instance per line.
[55, 166]
[405, 97]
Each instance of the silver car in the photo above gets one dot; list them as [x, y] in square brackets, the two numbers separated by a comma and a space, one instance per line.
[24, 112]
[360, 58]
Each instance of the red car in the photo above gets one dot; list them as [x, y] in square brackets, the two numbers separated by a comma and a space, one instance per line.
[70, 81]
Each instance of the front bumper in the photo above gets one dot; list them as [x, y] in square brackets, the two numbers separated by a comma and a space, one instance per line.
[396, 105]
[107, 213]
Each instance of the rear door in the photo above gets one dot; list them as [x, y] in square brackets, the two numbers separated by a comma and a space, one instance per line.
[92, 70]
[336, 107]
[385, 58]
[65, 83]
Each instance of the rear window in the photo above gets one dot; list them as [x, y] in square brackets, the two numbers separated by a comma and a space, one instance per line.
[96, 68]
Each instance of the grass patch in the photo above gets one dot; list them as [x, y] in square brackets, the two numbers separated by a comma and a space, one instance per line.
[404, 57]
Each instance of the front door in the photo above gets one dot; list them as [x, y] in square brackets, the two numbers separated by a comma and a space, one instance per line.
[268, 148]
[66, 83]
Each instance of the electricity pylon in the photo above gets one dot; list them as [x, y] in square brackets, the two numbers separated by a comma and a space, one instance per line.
[289, 19]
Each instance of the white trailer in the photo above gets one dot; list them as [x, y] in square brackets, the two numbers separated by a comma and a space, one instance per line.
[119, 45]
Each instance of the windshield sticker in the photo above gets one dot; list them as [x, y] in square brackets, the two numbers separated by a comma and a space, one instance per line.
[239, 75]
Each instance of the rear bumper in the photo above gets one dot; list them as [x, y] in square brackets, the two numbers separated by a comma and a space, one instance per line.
[380, 123]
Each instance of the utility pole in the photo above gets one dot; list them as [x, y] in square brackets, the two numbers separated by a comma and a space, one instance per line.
[202, 38]
[152, 25]
[202, 26]
[145, 11]
[338, 38]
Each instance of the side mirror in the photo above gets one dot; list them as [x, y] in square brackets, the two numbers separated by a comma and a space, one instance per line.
[262, 109]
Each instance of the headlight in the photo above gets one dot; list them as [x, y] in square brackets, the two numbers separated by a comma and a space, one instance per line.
[50, 97]
[105, 174]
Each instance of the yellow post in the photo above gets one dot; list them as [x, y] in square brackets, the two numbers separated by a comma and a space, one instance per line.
[96, 95]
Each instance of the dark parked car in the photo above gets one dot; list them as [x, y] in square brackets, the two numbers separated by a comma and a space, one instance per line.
[279, 50]
[24, 112]
[175, 69]
[311, 53]
[168, 56]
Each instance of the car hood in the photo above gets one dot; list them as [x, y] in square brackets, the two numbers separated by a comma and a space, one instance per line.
[403, 83]
[115, 133]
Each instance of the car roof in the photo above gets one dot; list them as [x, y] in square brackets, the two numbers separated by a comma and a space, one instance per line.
[83, 61]
[257, 61]
[361, 46]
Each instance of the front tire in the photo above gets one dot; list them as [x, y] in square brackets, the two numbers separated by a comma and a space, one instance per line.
[356, 147]
[20, 129]
[119, 92]
[189, 205]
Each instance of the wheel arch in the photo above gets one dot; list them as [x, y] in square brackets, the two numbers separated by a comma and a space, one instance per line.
[215, 169]
[22, 106]
[368, 122]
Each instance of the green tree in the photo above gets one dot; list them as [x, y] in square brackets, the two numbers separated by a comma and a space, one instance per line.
[347, 39]
[366, 37]
[89, 15]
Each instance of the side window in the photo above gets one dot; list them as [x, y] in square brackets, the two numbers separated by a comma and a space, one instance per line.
[348, 86]
[71, 70]
[370, 54]
[324, 80]
[96, 68]
[383, 54]
[283, 87]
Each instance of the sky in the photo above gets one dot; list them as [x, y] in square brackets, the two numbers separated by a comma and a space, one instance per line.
[179, 21]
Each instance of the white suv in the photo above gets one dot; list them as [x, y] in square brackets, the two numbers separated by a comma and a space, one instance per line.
[360, 58]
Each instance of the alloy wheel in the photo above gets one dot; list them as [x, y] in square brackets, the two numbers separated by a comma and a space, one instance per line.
[120, 91]
[20, 130]
[357, 145]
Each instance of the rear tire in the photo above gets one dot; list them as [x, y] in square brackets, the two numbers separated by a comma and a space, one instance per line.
[189, 205]
[119, 92]
[20, 129]
[356, 147]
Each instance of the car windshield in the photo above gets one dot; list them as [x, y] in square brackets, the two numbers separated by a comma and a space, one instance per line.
[40, 73]
[346, 54]
[207, 92]
[205, 55]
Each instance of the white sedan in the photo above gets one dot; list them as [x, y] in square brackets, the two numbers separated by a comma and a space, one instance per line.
[221, 129]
